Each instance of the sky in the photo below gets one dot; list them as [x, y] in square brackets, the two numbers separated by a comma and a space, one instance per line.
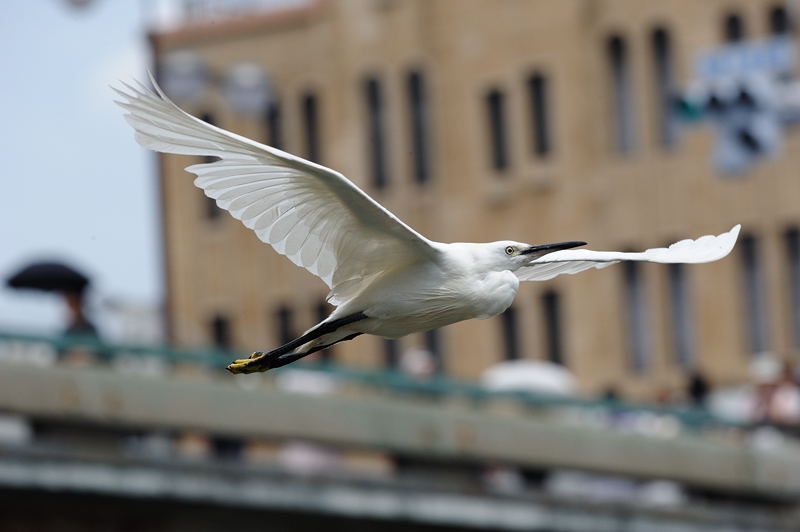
[76, 186]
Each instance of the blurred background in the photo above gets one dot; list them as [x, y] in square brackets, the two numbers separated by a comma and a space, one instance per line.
[636, 398]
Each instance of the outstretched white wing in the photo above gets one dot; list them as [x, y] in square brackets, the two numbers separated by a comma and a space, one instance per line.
[705, 249]
[312, 214]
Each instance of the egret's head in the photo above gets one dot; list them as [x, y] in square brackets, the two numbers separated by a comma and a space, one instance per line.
[510, 255]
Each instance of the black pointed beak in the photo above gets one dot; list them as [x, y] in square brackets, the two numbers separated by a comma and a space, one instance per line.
[544, 249]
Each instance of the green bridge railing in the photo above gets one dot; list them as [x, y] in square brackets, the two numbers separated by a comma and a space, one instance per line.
[385, 380]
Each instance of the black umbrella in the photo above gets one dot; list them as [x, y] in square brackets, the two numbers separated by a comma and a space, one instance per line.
[49, 276]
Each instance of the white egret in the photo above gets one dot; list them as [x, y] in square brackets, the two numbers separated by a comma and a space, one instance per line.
[384, 278]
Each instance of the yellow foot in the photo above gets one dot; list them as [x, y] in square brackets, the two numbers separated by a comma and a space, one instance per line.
[254, 363]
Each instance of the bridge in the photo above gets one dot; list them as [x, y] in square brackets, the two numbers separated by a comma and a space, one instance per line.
[444, 436]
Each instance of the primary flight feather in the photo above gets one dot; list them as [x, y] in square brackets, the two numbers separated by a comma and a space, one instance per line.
[385, 278]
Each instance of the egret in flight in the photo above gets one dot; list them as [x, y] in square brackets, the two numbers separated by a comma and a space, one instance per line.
[384, 278]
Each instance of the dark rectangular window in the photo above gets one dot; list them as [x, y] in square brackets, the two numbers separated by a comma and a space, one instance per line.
[681, 316]
[284, 326]
[221, 332]
[663, 84]
[227, 449]
[310, 113]
[391, 353]
[510, 334]
[779, 21]
[498, 143]
[208, 118]
[638, 334]
[376, 132]
[754, 297]
[733, 29]
[418, 115]
[273, 125]
[433, 344]
[792, 240]
[539, 114]
[551, 309]
[212, 211]
[323, 310]
[621, 95]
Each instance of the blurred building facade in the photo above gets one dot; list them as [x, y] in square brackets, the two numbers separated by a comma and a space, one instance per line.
[481, 121]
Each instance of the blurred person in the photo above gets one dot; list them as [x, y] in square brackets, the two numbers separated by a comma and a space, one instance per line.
[615, 414]
[417, 364]
[784, 400]
[419, 367]
[775, 402]
[503, 479]
[765, 371]
[664, 397]
[64, 280]
[306, 458]
[15, 429]
[71, 284]
[78, 324]
[610, 395]
[698, 389]
[761, 401]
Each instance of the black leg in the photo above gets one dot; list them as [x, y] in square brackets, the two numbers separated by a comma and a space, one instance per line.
[259, 361]
[313, 334]
[288, 359]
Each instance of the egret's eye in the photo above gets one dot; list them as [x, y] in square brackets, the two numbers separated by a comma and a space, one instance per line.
[510, 250]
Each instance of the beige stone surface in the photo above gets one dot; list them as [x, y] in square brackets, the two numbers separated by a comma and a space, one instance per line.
[582, 190]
